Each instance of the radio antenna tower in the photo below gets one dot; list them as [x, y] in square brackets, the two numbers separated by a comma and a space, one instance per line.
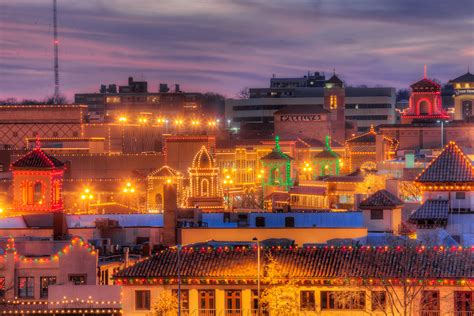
[56, 53]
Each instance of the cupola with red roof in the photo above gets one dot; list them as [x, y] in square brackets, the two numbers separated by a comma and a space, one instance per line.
[37, 182]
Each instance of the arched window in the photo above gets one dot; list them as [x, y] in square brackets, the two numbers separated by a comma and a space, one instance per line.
[274, 176]
[204, 187]
[466, 108]
[24, 193]
[37, 193]
[424, 107]
[158, 201]
[56, 192]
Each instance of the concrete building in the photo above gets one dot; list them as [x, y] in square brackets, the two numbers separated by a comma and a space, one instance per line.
[135, 100]
[463, 96]
[324, 280]
[447, 211]
[362, 106]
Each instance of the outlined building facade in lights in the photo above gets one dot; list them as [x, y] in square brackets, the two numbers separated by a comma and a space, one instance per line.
[447, 184]
[204, 190]
[155, 186]
[365, 150]
[277, 170]
[463, 96]
[425, 102]
[327, 162]
[37, 183]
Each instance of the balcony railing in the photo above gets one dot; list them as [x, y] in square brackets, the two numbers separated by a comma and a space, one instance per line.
[464, 313]
[430, 313]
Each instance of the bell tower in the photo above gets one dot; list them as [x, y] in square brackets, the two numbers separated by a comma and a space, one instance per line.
[37, 183]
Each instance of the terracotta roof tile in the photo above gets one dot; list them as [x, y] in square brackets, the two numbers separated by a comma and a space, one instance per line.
[431, 210]
[381, 199]
[303, 263]
[37, 159]
[450, 166]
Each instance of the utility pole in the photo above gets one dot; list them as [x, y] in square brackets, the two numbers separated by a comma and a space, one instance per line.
[56, 53]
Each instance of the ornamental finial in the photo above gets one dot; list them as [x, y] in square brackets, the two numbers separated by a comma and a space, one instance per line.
[37, 142]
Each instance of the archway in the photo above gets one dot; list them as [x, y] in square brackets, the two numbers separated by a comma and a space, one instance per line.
[424, 107]
[158, 201]
[37, 193]
[204, 187]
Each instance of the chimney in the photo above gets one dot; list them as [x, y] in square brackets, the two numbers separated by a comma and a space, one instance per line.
[103, 88]
[130, 81]
[59, 226]
[170, 207]
[176, 88]
[126, 258]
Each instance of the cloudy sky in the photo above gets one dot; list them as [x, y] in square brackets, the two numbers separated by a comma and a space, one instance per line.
[224, 45]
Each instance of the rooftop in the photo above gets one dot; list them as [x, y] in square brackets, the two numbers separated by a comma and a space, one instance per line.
[308, 263]
[431, 210]
[467, 77]
[452, 165]
[37, 159]
[381, 199]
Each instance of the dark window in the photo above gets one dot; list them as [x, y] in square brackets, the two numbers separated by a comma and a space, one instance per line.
[79, 279]
[460, 195]
[369, 106]
[233, 302]
[343, 300]
[430, 302]
[3, 287]
[207, 302]
[260, 221]
[142, 300]
[366, 117]
[464, 302]
[184, 299]
[26, 287]
[379, 300]
[45, 282]
[289, 221]
[307, 302]
[376, 214]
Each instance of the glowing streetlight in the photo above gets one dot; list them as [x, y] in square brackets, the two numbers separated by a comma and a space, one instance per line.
[122, 119]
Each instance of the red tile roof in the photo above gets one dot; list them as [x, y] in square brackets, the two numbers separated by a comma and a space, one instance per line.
[164, 171]
[425, 85]
[37, 159]
[308, 190]
[381, 199]
[307, 263]
[452, 165]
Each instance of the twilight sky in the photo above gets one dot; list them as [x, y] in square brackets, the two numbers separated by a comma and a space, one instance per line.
[224, 45]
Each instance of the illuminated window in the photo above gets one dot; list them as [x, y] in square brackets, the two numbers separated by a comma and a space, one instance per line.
[56, 191]
[26, 287]
[78, 279]
[458, 85]
[142, 300]
[307, 301]
[2, 287]
[45, 282]
[204, 187]
[463, 302]
[466, 85]
[333, 102]
[38, 193]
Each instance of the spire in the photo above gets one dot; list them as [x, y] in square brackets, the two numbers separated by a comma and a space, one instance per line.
[37, 142]
[277, 143]
[424, 71]
[328, 142]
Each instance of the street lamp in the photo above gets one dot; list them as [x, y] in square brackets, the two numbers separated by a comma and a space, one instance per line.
[128, 189]
[442, 131]
[227, 183]
[86, 197]
[255, 239]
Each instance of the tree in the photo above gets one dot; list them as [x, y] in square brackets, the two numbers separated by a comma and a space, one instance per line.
[166, 304]
[403, 94]
[243, 93]
[281, 295]
[372, 183]
[409, 191]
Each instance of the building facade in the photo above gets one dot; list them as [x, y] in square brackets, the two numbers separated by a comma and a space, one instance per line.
[320, 280]
[463, 96]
